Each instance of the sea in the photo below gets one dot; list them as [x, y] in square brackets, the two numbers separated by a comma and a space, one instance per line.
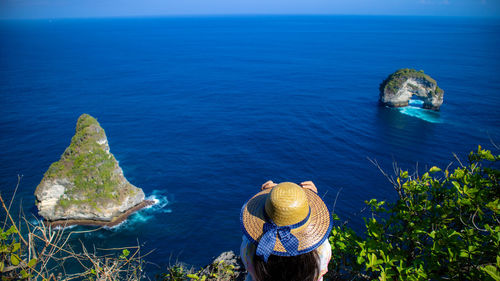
[201, 110]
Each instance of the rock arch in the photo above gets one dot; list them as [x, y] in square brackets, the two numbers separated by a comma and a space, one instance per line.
[399, 87]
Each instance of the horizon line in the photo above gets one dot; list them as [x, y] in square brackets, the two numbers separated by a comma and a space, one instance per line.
[247, 15]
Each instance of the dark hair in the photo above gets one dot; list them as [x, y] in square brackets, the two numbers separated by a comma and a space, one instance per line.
[303, 267]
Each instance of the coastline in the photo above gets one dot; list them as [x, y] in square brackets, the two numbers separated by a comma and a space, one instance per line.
[88, 222]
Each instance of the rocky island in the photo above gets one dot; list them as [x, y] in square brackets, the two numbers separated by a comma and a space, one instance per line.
[399, 87]
[87, 186]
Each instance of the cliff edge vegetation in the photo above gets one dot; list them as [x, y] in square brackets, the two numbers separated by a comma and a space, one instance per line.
[445, 225]
[86, 183]
[399, 87]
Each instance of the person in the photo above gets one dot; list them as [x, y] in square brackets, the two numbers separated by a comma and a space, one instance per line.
[285, 229]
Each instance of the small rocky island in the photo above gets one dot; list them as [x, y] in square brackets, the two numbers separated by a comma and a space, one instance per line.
[87, 186]
[397, 89]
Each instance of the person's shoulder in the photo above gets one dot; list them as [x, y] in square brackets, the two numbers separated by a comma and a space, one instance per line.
[325, 254]
[325, 246]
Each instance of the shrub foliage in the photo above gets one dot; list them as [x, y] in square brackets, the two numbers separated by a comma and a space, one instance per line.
[444, 226]
[33, 251]
[217, 271]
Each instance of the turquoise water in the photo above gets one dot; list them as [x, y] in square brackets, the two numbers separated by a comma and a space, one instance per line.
[200, 111]
[414, 109]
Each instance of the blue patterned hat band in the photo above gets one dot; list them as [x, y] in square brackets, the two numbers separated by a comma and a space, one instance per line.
[271, 231]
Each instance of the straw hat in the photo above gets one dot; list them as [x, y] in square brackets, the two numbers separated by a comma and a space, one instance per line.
[286, 220]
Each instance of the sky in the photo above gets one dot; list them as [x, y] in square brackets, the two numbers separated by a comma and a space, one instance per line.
[126, 8]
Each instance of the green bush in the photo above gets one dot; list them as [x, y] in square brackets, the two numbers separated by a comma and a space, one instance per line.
[217, 271]
[444, 226]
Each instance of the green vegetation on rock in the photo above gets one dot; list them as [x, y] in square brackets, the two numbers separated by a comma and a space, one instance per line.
[217, 271]
[394, 81]
[444, 226]
[88, 165]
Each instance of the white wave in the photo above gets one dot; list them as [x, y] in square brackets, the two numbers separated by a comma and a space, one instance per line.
[142, 216]
[161, 201]
[423, 114]
[65, 227]
[133, 220]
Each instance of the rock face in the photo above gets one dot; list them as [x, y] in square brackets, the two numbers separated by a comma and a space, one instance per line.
[227, 259]
[397, 89]
[87, 182]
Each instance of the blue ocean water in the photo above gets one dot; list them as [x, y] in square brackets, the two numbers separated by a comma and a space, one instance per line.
[200, 111]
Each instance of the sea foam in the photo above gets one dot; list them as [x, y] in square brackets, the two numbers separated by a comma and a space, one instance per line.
[144, 215]
[414, 109]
